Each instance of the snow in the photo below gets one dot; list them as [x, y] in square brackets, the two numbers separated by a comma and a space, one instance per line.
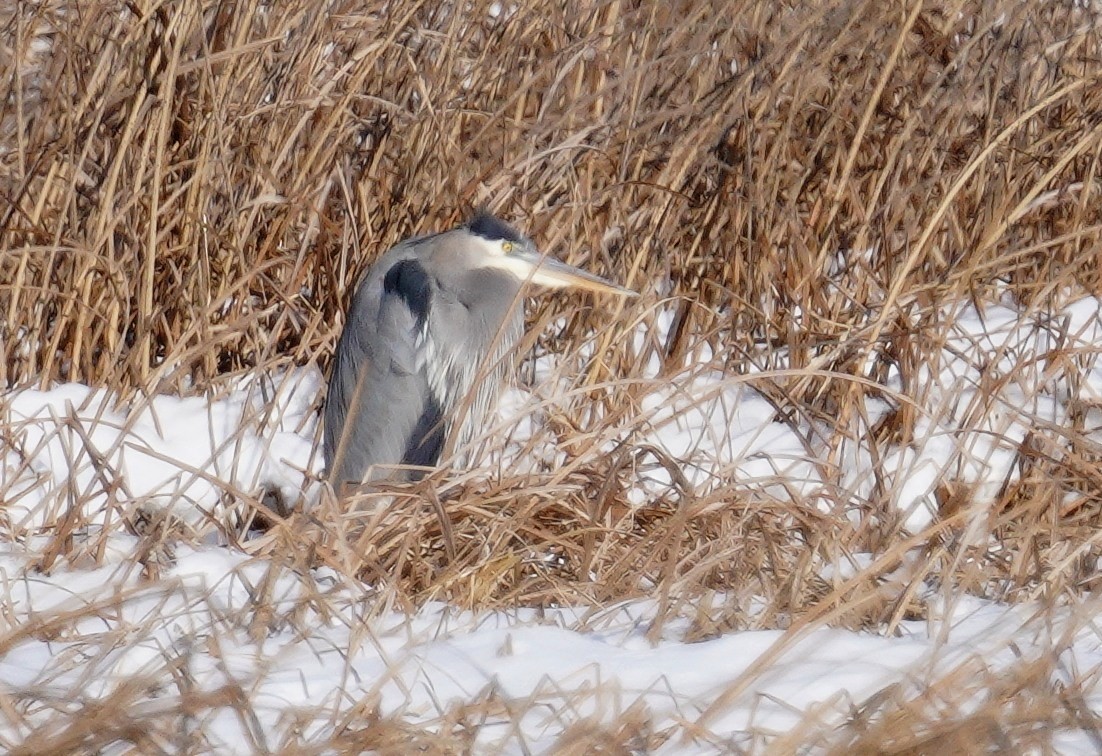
[315, 665]
[419, 667]
[172, 452]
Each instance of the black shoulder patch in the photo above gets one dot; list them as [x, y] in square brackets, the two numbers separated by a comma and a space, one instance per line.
[408, 280]
[488, 227]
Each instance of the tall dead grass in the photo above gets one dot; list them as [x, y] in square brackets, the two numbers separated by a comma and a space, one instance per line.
[191, 191]
[188, 192]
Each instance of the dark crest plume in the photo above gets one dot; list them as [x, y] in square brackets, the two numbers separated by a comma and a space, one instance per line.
[488, 227]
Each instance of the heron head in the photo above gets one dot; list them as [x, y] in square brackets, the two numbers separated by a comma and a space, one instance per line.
[505, 248]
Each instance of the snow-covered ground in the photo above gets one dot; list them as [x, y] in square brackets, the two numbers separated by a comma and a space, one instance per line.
[74, 632]
[308, 677]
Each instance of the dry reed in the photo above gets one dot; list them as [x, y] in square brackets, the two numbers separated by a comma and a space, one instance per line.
[188, 192]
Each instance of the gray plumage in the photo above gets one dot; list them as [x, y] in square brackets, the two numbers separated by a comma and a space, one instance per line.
[430, 328]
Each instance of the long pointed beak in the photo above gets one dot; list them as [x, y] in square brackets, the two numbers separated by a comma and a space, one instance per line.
[547, 271]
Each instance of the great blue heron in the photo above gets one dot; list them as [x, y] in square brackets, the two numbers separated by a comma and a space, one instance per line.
[435, 316]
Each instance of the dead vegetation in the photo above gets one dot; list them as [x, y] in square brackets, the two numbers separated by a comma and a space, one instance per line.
[188, 192]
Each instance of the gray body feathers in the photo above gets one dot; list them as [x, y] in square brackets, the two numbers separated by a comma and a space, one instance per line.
[428, 330]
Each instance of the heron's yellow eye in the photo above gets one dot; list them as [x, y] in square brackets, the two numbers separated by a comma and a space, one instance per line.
[506, 247]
